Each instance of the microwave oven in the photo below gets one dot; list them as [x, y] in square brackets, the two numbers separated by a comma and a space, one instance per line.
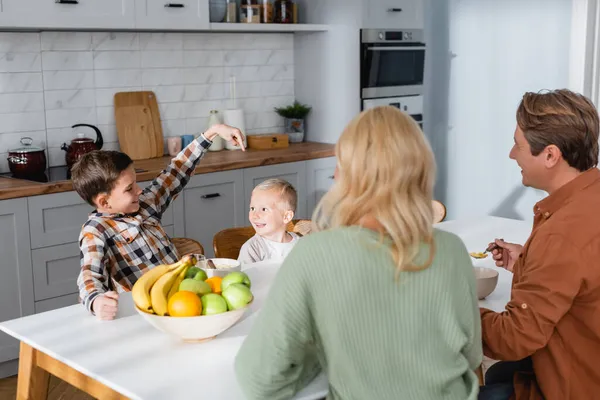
[392, 63]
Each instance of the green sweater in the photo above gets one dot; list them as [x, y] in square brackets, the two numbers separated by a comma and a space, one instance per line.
[335, 306]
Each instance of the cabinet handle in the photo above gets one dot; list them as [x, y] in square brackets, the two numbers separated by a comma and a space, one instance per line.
[175, 5]
[66, 1]
[394, 10]
[211, 196]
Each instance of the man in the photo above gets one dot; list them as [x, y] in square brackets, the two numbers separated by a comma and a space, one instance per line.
[549, 334]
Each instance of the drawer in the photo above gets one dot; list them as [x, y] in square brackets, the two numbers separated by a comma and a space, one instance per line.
[55, 270]
[172, 14]
[56, 302]
[56, 218]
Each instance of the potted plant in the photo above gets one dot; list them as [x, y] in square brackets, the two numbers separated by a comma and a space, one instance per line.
[294, 116]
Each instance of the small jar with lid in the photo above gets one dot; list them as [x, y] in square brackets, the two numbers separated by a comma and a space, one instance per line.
[218, 143]
[284, 12]
[250, 11]
[232, 11]
[266, 11]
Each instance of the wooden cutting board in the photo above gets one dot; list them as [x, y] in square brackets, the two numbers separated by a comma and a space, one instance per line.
[138, 125]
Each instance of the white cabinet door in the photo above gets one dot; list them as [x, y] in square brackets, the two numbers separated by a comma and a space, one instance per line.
[55, 270]
[319, 179]
[84, 14]
[172, 14]
[16, 287]
[294, 173]
[393, 14]
[213, 202]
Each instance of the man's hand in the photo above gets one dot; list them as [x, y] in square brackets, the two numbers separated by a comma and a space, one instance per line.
[106, 305]
[229, 133]
[506, 254]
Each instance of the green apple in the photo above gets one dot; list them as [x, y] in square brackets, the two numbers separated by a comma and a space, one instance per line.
[213, 303]
[201, 275]
[191, 285]
[237, 296]
[235, 277]
[191, 272]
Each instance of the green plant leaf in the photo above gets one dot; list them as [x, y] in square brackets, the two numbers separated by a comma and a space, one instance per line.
[294, 111]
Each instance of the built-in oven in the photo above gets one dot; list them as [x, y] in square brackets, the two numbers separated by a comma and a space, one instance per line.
[392, 62]
[411, 105]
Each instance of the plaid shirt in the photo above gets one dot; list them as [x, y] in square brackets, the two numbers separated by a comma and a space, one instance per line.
[119, 248]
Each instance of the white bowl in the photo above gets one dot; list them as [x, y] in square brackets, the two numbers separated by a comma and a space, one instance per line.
[487, 279]
[195, 329]
[227, 265]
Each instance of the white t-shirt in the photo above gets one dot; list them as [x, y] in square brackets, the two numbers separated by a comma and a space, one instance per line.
[258, 248]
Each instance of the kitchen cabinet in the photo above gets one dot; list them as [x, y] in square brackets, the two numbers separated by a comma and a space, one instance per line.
[56, 302]
[319, 179]
[212, 202]
[83, 14]
[56, 218]
[16, 288]
[55, 270]
[393, 14]
[172, 14]
[294, 173]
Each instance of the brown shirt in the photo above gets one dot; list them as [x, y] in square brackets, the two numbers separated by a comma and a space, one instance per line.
[554, 311]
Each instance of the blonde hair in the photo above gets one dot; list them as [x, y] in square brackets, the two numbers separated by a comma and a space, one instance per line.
[387, 171]
[284, 189]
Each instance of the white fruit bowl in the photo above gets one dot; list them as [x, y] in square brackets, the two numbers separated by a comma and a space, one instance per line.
[195, 329]
[487, 279]
[227, 265]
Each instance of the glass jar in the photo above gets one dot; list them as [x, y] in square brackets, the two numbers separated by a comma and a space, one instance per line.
[250, 12]
[218, 143]
[231, 15]
[284, 11]
[266, 11]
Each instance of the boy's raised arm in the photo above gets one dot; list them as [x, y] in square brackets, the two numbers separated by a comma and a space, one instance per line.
[155, 199]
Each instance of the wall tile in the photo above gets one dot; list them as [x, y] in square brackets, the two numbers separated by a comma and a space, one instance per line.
[19, 42]
[118, 78]
[21, 82]
[115, 41]
[70, 116]
[106, 97]
[57, 80]
[57, 99]
[21, 102]
[20, 62]
[56, 41]
[67, 60]
[117, 59]
[162, 59]
[161, 41]
[23, 122]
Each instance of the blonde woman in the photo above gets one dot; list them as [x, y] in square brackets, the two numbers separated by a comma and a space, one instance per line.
[378, 299]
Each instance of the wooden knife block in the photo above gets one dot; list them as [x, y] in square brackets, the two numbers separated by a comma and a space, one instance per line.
[269, 141]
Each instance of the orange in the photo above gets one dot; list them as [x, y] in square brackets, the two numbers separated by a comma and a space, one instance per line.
[184, 304]
[215, 284]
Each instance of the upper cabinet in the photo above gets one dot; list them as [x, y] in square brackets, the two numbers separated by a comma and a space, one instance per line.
[393, 14]
[172, 14]
[58, 14]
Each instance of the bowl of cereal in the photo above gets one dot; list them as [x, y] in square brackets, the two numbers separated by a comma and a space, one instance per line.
[222, 266]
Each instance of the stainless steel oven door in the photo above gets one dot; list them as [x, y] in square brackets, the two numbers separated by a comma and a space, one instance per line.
[392, 69]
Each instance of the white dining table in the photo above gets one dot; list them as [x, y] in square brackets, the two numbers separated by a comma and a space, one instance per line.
[128, 358]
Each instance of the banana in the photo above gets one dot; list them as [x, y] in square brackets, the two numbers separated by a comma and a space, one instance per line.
[160, 290]
[141, 288]
[176, 284]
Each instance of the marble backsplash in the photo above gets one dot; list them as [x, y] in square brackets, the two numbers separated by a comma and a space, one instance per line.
[50, 81]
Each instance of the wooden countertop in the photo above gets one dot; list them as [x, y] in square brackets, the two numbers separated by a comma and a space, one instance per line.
[212, 162]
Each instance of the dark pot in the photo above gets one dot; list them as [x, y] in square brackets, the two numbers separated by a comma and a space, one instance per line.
[27, 161]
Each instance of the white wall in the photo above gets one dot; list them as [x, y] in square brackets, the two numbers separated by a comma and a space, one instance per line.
[50, 81]
[502, 49]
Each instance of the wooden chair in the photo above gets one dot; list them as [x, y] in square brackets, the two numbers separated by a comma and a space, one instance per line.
[228, 242]
[187, 246]
[439, 211]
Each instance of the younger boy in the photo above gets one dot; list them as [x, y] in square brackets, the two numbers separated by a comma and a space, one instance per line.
[272, 207]
[123, 237]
